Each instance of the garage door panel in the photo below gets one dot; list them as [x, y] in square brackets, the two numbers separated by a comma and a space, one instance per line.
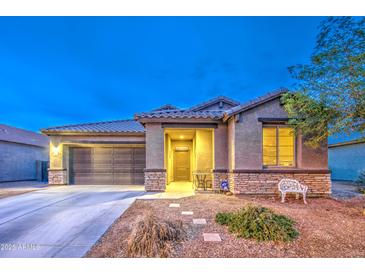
[107, 165]
[138, 179]
[102, 154]
[123, 154]
[106, 161]
[123, 162]
[82, 154]
[101, 165]
[139, 164]
[102, 170]
[126, 169]
[103, 179]
[123, 178]
[83, 178]
[139, 171]
[80, 167]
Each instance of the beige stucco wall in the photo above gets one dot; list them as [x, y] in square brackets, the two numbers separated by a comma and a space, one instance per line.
[169, 158]
[248, 134]
[231, 143]
[220, 138]
[56, 152]
[204, 149]
[155, 146]
[245, 141]
[312, 158]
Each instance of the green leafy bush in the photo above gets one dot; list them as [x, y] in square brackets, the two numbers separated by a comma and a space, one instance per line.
[224, 218]
[361, 178]
[260, 223]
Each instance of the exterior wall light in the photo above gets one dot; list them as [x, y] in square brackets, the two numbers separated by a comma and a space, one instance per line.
[55, 150]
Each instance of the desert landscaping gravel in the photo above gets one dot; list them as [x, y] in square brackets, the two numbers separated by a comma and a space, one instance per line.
[327, 227]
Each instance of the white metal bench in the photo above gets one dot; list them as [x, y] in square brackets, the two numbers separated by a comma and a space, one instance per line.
[292, 186]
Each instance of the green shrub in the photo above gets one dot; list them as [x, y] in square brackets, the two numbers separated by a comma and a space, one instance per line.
[224, 218]
[361, 190]
[260, 223]
[361, 178]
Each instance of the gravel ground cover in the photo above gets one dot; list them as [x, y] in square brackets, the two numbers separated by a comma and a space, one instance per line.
[327, 227]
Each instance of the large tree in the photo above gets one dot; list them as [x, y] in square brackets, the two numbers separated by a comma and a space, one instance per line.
[330, 89]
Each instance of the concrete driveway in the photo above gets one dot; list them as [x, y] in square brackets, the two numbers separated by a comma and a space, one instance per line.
[60, 221]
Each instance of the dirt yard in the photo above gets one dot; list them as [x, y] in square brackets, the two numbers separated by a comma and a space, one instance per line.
[7, 193]
[327, 227]
[8, 189]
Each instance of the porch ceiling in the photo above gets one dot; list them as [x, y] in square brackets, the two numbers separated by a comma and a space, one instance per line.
[180, 134]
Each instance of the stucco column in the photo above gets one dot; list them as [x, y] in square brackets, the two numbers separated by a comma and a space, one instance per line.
[57, 173]
[155, 172]
[220, 171]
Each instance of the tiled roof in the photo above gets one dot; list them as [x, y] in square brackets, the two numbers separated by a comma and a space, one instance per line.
[255, 102]
[212, 114]
[22, 136]
[118, 126]
[166, 111]
[166, 107]
[214, 101]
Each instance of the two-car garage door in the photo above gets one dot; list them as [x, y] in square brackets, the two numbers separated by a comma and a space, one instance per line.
[107, 165]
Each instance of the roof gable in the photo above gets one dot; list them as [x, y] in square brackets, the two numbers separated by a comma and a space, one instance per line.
[166, 107]
[254, 103]
[217, 103]
[181, 114]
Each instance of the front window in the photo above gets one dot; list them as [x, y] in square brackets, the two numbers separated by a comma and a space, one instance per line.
[278, 146]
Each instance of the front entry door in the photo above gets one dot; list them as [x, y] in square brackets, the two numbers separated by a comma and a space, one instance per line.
[182, 165]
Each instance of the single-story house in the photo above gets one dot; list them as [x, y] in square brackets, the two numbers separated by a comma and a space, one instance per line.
[21, 152]
[249, 144]
[346, 159]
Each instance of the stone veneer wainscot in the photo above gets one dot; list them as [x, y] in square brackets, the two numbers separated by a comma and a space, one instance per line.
[219, 176]
[57, 176]
[266, 181]
[155, 179]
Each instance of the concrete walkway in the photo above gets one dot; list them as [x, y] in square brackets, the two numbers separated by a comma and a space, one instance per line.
[175, 190]
[60, 221]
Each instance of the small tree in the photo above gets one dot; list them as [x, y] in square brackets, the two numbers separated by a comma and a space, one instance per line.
[330, 95]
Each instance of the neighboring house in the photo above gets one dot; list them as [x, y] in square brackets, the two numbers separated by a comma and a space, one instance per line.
[19, 152]
[249, 144]
[347, 159]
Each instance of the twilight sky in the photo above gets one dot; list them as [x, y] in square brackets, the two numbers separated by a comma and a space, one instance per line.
[62, 70]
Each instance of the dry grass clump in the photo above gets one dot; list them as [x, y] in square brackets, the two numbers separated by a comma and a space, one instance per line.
[259, 223]
[155, 238]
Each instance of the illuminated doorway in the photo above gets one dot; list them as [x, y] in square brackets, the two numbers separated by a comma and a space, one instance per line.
[181, 164]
